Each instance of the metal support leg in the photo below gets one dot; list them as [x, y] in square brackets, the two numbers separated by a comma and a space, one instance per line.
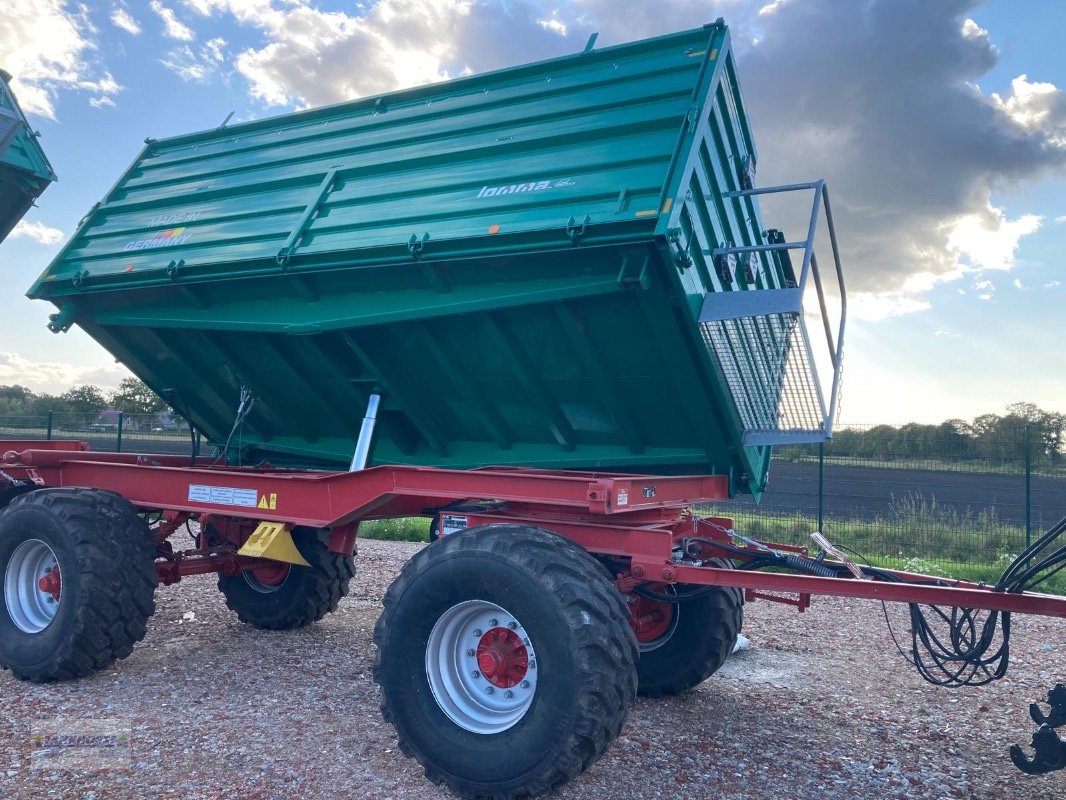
[366, 434]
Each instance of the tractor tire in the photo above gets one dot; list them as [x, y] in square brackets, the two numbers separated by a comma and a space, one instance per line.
[693, 639]
[281, 597]
[506, 661]
[79, 579]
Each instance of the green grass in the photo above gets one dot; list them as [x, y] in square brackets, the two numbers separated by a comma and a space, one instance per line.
[404, 529]
[919, 535]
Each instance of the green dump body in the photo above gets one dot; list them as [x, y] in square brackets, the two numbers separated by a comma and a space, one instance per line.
[24, 170]
[516, 261]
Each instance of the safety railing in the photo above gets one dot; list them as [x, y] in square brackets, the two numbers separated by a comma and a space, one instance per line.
[761, 341]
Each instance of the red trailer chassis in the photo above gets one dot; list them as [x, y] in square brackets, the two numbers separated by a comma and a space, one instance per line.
[522, 595]
[640, 519]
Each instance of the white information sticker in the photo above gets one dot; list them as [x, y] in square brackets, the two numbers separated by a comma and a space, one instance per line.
[623, 497]
[223, 496]
[449, 524]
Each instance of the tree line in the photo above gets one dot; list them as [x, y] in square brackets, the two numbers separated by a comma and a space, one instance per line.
[1025, 431]
[131, 397]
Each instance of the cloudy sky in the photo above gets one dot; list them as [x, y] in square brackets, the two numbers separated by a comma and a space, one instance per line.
[939, 125]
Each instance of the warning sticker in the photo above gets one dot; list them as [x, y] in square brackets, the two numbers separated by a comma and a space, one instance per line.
[268, 501]
[223, 496]
[623, 497]
[449, 524]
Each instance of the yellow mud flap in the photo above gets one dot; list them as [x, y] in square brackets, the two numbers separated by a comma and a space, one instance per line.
[273, 540]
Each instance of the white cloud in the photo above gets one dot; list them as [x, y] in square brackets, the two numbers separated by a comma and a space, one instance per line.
[772, 7]
[987, 239]
[1060, 219]
[213, 49]
[1033, 105]
[121, 18]
[173, 27]
[878, 306]
[1052, 284]
[49, 47]
[37, 231]
[984, 286]
[1017, 284]
[54, 377]
[101, 102]
[971, 29]
[199, 65]
[552, 24]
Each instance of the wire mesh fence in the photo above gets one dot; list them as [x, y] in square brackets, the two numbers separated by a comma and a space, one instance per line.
[923, 504]
[108, 431]
[955, 505]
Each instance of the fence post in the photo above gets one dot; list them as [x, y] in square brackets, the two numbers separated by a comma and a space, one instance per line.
[821, 484]
[1028, 489]
[48, 436]
[118, 437]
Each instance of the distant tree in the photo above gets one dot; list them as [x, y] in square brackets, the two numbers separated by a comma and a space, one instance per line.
[134, 397]
[41, 404]
[84, 399]
[15, 400]
[1052, 435]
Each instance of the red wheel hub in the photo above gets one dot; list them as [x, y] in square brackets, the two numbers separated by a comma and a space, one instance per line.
[502, 657]
[271, 574]
[52, 583]
[650, 619]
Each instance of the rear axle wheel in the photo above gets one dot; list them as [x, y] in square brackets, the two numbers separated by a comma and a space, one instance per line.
[683, 640]
[506, 661]
[279, 596]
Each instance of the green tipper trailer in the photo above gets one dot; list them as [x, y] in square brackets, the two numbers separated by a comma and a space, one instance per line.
[559, 265]
[24, 169]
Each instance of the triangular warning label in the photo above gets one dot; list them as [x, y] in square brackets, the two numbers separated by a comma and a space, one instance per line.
[263, 502]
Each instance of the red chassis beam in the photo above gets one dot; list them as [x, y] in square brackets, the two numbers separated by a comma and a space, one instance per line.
[326, 499]
[650, 554]
[637, 518]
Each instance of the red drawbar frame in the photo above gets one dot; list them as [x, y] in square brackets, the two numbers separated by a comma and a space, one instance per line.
[636, 521]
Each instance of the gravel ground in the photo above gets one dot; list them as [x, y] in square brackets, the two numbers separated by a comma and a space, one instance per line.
[821, 706]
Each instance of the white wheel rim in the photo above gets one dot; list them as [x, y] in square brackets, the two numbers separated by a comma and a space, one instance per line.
[473, 700]
[30, 607]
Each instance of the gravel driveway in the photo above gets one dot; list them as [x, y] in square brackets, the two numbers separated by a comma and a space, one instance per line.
[821, 706]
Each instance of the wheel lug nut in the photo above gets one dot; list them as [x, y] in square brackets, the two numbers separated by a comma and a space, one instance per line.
[489, 690]
[471, 652]
[508, 694]
[532, 664]
[524, 684]
[475, 674]
[512, 625]
[478, 632]
[494, 623]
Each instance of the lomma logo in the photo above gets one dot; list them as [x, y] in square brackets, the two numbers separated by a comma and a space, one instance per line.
[531, 186]
[168, 238]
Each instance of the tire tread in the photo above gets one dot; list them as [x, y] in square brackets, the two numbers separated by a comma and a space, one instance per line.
[116, 557]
